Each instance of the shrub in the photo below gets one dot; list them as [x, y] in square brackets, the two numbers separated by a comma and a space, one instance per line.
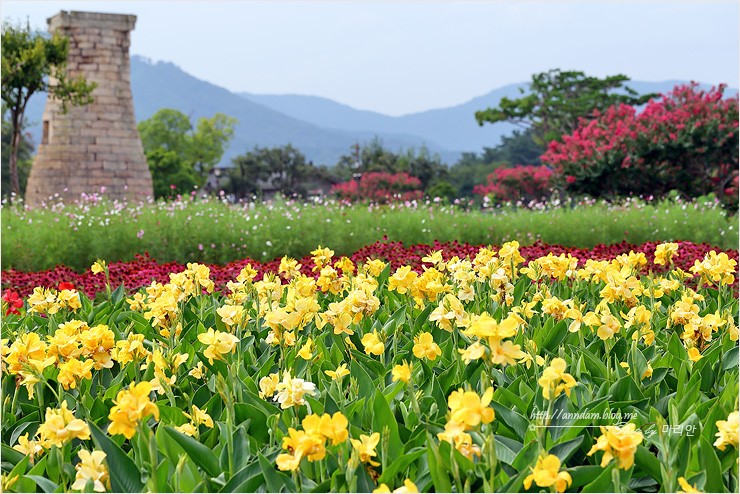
[520, 182]
[380, 187]
[686, 141]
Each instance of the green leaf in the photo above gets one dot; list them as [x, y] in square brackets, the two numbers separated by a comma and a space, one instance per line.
[513, 420]
[275, 480]
[648, 462]
[602, 483]
[440, 478]
[124, 474]
[711, 465]
[45, 484]
[566, 449]
[400, 464]
[199, 453]
[507, 449]
[382, 418]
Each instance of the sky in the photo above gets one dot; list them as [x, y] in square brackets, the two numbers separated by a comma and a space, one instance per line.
[404, 57]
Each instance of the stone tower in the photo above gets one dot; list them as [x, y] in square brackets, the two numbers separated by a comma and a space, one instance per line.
[96, 147]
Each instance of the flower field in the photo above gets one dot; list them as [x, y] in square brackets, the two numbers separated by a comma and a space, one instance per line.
[447, 368]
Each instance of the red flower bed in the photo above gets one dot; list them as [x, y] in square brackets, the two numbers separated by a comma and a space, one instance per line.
[140, 272]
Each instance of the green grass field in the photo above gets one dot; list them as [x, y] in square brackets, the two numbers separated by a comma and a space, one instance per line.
[215, 232]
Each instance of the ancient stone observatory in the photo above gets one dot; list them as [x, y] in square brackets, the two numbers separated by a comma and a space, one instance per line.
[94, 147]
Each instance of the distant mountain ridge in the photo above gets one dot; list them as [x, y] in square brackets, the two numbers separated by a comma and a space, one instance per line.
[321, 128]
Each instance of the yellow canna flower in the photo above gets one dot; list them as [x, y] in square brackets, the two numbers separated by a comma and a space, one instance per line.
[268, 385]
[29, 448]
[306, 351]
[546, 473]
[473, 352]
[664, 253]
[401, 372]
[291, 391]
[98, 267]
[372, 343]
[130, 407]
[366, 447]
[469, 409]
[73, 371]
[685, 486]
[219, 344]
[91, 467]
[694, 354]
[61, 426]
[339, 373]
[424, 346]
[402, 279]
[506, 353]
[334, 427]
[555, 380]
[728, 431]
[618, 442]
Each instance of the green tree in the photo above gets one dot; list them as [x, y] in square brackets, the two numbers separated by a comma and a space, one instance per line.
[33, 63]
[24, 156]
[180, 154]
[556, 100]
[282, 169]
[473, 169]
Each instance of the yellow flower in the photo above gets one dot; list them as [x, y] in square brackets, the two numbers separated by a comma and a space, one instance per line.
[402, 280]
[219, 344]
[424, 346]
[130, 349]
[130, 407]
[366, 447]
[407, 487]
[401, 372]
[685, 486]
[506, 353]
[372, 343]
[61, 426]
[374, 267]
[188, 429]
[546, 473]
[97, 343]
[321, 256]
[248, 273]
[72, 371]
[618, 442]
[198, 371]
[91, 467]
[98, 267]
[199, 417]
[555, 380]
[291, 391]
[664, 253]
[339, 373]
[334, 427]
[484, 326]
[718, 268]
[728, 431]
[694, 354]
[469, 409]
[306, 351]
[29, 448]
[382, 488]
[473, 352]
[231, 315]
[268, 385]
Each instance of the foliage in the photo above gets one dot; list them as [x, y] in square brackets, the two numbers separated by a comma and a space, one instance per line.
[180, 154]
[556, 100]
[214, 231]
[280, 169]
[380, 187]
[24, 156]
[685, 141]
[481, 375]
[519, 183]
[373, 157]
[30, 62]
[472, 169]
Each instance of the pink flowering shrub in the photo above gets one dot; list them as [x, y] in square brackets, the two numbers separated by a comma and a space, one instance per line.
[685, 141]
[520, 182]
[380, 187]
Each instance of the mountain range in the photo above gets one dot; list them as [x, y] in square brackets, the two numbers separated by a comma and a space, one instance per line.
[321, 128]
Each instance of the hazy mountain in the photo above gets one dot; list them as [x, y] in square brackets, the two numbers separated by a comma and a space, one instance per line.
[454, 127]
[321, 128]
[164, 85]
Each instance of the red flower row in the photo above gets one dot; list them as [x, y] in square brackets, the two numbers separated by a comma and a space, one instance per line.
[143, 270]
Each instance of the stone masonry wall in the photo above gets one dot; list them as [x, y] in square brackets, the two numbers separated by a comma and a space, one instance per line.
[96, 147]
